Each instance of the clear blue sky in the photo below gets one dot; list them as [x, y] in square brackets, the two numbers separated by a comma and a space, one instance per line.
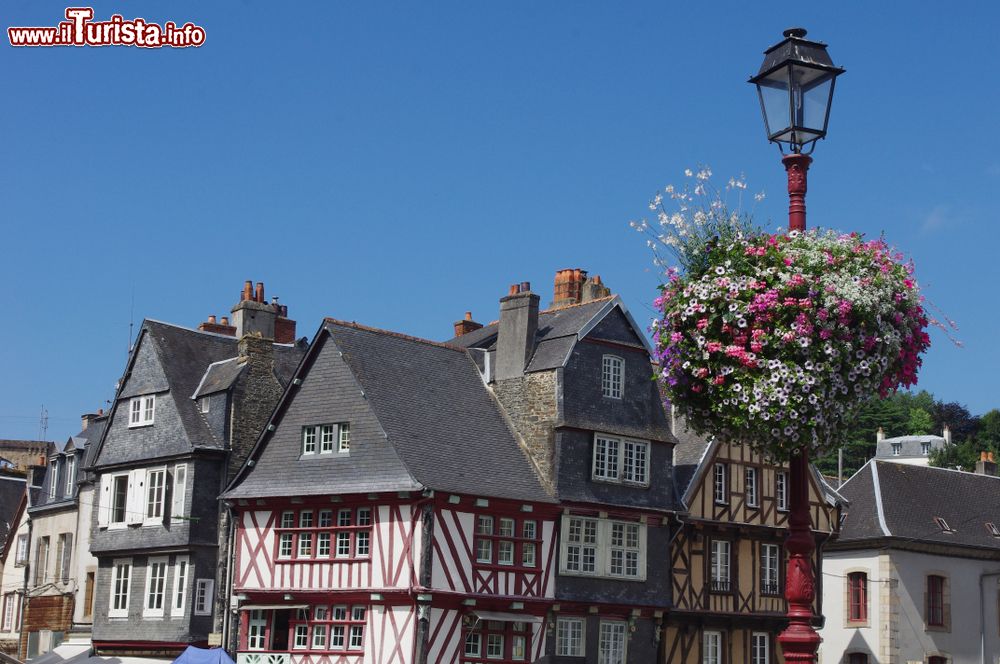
[400, 163]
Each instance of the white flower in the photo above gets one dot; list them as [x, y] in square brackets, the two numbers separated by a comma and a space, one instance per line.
[687, 172]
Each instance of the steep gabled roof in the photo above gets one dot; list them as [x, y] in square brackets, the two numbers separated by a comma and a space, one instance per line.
[11, 502]
[82, 445]
[436, 413]
[185, 357]
[902, 503]
[558, 331]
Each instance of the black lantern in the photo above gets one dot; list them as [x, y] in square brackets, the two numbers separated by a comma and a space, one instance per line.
[795, 85]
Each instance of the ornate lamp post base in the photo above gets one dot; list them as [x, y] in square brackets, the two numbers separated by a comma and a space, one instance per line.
[799, 642]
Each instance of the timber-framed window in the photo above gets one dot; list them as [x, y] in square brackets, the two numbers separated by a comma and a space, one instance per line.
[506, 541]
[336, 628]
[720, 484]
[781, 490]
[496, 641]
[620, 460]
[601, 547]
[322, 535]
[720, 566]
[326, 438]
[770, 569]
[711, 647]
[571, 637]
[751, 486]
[760, 648]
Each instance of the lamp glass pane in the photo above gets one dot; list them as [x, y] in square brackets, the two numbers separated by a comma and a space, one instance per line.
[811, 103]
[774, 99]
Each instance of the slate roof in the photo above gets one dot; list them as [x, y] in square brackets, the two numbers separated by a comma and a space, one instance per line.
[11, 490]
[219, 377]
[83, 445]
[688, 454]
[910, 446]
[556, 335]
[186, 358]
[899, 502]
[437, 414]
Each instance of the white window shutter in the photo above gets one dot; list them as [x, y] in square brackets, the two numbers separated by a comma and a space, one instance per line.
[180, 486]
[136, 496]
[104, 502]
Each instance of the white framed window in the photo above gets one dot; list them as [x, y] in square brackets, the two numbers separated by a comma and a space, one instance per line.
[256, 629]
[570, 637]
[205, 404]
[494, 646]
[203, 597]
[343, 544]
[781, 490]
[326, 438]
[70, 475]
[21, 554]
[720, 485]
[620, 460]
[611, 642]
[121, 581]
[141, 410]
[760, 648]
[751, 487]
[601, 547]
[285, 545]
[770, 559]
[319, 637]
[11, 608]
[53, 478]
[897, 448]
[711, 647]
[301, 636]
[156, 586]
[357, 636]
[612, 376]
[925, 448]
[182, 568]
[720, 565]
[118, 499]
[179, 491]
[474, 644]
[156, 483]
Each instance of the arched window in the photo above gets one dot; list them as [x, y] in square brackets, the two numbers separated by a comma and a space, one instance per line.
[857, 596]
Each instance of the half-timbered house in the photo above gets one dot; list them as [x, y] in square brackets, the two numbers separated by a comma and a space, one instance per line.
[388, 515]
[188, 409]
[728, 560]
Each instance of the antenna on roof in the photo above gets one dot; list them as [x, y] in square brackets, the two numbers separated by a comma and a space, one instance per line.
[131, 318]
[43, 424]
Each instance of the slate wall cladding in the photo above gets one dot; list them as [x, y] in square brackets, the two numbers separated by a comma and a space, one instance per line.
[574, 462]
[165, 437]
[180, 627]
[641, 645]
[531, 402]
[147, 375]
[655, 591]
[218, 414]
[328, 394]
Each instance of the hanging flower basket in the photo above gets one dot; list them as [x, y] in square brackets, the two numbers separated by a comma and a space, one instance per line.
[775, 340]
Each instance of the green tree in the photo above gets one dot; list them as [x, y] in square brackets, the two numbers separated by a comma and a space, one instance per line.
[921, 422]
[989, 429]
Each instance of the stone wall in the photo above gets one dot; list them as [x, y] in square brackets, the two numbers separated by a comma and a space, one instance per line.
[531, 403]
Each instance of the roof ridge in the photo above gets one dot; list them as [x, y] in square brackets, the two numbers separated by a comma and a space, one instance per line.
[191, 329]
[947, 470]
[553, 310]
[399, 335]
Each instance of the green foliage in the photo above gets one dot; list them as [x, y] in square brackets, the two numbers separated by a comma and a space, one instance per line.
[921, 422]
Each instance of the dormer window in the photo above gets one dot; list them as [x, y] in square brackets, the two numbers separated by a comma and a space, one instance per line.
[141, 410]
[53, 477]
[70, 475]
[326, 438]
[896, 448]
[612, 375]
[992, 527]
[925, 448]
[943, 525]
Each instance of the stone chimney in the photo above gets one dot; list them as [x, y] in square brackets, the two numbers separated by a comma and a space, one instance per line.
[946, 434]
[87, 418]
[573, 287]
[880, 435]
[516, 332]
[986, 465]
[466, 325]
[253, 315]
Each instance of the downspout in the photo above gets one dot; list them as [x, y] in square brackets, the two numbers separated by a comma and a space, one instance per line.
[227, 616]
[24, 592]
[660, 636]
[982, 615]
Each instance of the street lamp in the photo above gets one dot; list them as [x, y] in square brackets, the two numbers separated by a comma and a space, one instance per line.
[795, 86]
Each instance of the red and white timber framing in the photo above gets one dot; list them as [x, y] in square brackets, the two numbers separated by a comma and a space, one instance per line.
[382, 570]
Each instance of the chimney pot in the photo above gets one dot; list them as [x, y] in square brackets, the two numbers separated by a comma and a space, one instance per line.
[259, 293]
[247, 291]
[513, 290]
[989, 456]
[597, 279]
[468, 315]
[982, 456]
[525, 286]
[225, 320]
[211, 319]
[100, 412]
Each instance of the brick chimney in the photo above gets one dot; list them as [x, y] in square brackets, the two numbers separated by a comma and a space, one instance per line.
[986, 465]
[573, 287]
[224, 327]
[516, 331]
[87, 418]
[466, 325]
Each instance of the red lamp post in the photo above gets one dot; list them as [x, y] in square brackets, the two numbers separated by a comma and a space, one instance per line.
[795, 86]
